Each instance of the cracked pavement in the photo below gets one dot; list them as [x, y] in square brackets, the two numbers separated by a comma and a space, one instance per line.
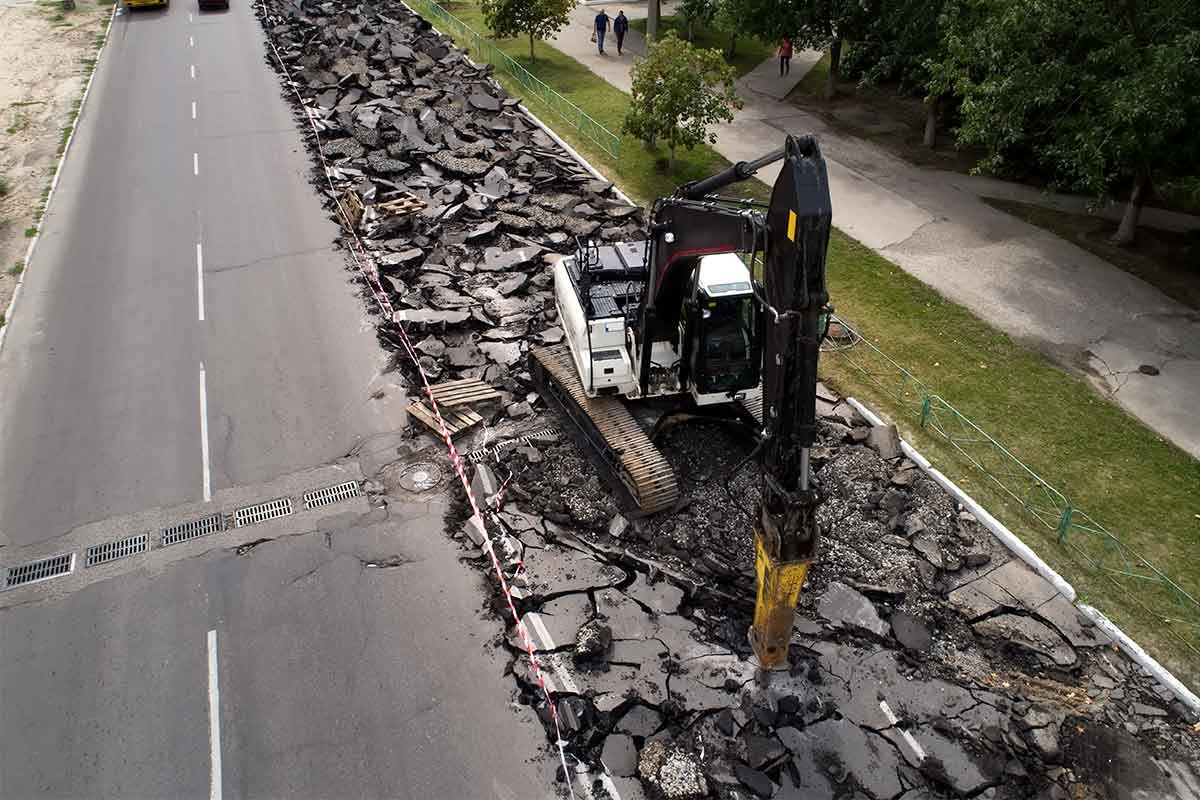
[925, 663]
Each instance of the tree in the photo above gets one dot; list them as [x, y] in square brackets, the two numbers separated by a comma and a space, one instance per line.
[823, 24]
[696, 12]
[1094, 99]
[539, 19]
[678, 92]
[729, 18]
[899, 45]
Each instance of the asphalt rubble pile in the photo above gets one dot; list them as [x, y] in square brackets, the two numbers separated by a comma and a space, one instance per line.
[404, 115]
[926, 661]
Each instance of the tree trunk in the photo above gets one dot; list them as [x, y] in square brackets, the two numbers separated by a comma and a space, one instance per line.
[652, 13]
[931, 114]
[671, 159]
[835, 61]
[1127, 230]
[732, 45]
[689, 29]
[531, 58]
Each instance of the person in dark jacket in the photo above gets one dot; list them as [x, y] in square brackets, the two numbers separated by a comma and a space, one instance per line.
[601, 29]
[620, 28]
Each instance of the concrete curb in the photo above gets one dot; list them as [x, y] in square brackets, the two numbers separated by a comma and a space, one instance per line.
[87, 89]
[1022, 551]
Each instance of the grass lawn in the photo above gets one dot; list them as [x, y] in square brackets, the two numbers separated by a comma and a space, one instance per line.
[1167, 260]
[1145, 491]
[813, 83]
[747, 54]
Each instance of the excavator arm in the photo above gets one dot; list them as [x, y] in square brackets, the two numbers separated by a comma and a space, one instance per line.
[795, 306]
[798, 221]
[793, 237]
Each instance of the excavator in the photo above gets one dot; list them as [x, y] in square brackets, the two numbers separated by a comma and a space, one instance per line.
[684, 315]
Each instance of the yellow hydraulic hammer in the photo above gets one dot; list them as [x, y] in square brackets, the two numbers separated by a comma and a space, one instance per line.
[779, 584]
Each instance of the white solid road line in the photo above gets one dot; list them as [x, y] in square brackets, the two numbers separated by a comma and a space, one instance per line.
[214, 719]
[569, 685]
[191, 41]
[918, 751]
[195, 163]
[207, 473]
[193, 109]
[200, 281]
[189, 16]
[193, 70]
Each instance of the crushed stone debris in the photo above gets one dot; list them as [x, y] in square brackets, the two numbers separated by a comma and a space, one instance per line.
[926, 661]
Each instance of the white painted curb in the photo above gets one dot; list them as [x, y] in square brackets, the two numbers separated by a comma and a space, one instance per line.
[1026, 554]
[575, 154]
[1135, 651]
[12, 303]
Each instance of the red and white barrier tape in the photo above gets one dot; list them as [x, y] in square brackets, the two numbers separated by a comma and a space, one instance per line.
[371, 279]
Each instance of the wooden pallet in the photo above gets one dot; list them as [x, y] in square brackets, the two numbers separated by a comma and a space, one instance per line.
[405, 204]
[458, 393]
[449, 396]
[457, 419]
[612, 430]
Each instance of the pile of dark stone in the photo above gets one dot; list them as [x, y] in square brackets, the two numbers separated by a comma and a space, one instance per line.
[402, 113]
[995, 686]
[926, 662]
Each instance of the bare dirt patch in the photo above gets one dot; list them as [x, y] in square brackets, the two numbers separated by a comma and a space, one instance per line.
[45, 58]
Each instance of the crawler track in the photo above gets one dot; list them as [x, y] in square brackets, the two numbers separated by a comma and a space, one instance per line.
[610, 429]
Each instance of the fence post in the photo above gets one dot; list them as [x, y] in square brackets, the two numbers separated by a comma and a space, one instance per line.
[926, 409]
[1064, 523]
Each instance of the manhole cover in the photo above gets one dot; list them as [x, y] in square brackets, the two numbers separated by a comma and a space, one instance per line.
[419, 477]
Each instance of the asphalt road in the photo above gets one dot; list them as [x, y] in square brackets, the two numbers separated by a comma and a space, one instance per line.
[141, 371]
[101, 368]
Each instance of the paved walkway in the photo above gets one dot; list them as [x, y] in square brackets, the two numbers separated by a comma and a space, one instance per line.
[1045, 292]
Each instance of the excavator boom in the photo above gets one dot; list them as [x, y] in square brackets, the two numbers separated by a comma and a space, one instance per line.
[799, 220]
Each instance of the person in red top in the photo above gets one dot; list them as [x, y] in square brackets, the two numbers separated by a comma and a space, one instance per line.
[785, 55]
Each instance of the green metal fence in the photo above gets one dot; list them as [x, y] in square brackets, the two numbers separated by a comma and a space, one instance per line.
[481, 49]
[1146, 586]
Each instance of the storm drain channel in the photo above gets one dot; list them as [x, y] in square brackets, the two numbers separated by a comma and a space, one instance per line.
[64, 564]
[272, 509]
[330, 495]
[40, 570]
[110, 551]
[192, 529]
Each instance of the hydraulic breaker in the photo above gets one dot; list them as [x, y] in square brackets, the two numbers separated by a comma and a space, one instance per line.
[796, 308]
[779, 585]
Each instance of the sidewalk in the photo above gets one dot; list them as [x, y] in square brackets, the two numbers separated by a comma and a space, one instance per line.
[1076, 308]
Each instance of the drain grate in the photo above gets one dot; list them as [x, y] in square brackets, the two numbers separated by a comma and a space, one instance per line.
[39, 570]
[330, 495]
[192, 529]
[272, 509]
[110, 551]
[478, 456]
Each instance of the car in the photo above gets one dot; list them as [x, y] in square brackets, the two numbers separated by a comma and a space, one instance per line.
[204, 5]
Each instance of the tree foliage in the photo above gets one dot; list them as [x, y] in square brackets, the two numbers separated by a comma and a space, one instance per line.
[1097, 96]
[537, 19]
[696, 12]
[678, 92]
[1091, 95]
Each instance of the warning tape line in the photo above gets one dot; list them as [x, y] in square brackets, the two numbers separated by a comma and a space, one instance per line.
[370, 276]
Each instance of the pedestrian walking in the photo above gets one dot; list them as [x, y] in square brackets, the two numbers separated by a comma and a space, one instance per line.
[620, 28]
[785, 55]
[600, 29]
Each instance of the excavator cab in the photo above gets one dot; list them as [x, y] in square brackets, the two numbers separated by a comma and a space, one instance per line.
[724, 352]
